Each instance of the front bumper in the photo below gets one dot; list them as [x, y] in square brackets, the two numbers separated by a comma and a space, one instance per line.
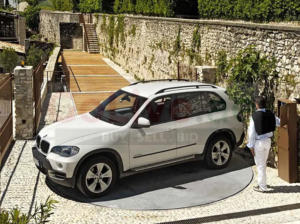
[45, 167]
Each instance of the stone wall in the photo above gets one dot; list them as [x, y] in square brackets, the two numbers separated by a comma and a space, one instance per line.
[148, 50]
[44, 46]
[71, 36]
[24, 107]
[50, 20]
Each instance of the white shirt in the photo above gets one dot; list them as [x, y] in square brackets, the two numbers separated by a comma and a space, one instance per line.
[253, 136]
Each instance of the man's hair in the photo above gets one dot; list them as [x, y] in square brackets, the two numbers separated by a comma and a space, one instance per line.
[261, 102]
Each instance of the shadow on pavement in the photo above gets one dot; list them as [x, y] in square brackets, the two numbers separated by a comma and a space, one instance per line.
[187, 180]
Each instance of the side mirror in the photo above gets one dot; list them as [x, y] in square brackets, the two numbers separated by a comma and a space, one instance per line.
[143, 123]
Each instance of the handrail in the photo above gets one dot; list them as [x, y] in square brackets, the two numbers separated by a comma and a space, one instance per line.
[81, 20]
[75, 78]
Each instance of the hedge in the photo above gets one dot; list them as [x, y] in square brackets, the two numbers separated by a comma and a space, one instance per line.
[167, 8]
[145, 7]
[254, 10]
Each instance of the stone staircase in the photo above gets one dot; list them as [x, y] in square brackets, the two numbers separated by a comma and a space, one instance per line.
[93, 46]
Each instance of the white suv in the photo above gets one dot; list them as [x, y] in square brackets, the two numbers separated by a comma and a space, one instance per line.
[144, 126]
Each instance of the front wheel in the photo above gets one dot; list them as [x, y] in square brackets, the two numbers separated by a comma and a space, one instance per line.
[219, 152]
[97, 177]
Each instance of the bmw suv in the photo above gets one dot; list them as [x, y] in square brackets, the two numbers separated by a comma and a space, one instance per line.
[144, 126]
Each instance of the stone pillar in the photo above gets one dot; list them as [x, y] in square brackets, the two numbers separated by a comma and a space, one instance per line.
[24, 102]
[207, 74]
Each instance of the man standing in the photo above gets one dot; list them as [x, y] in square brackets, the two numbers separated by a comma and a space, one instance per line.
[262, 125]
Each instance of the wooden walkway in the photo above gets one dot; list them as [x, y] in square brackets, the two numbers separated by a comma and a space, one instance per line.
[91, 74]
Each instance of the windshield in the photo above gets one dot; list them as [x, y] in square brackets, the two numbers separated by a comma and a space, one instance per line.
[119, 108]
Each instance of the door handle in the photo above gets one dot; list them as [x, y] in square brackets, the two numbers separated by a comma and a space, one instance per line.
[171, 129]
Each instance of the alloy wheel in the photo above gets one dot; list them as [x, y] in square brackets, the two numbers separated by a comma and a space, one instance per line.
[98, 177]
[220, 153]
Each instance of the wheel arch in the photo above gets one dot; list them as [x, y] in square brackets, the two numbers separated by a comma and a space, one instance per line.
[107, 152]
[227, 132]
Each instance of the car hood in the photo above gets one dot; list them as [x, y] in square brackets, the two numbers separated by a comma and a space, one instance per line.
[74, 128]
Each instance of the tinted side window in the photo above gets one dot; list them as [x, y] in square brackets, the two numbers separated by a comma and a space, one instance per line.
[197, 103]
[158, 110]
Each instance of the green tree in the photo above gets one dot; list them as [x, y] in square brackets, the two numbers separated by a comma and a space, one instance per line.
[33, 2]
[32, 16]
[8, 59]
[90, 6]
[63, 5]
[34, 56]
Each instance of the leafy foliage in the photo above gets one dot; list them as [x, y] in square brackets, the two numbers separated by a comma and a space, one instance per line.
[32, 16]
[90, 6]
[111, 30]
[251, 74]
[145, 7]
[177, 46]
[63, 5]
[222, 65]
[193, 53]
[120, 29]
[254, 10]
[41, 214]
[34, 56]
[8, 59]
[33, 2]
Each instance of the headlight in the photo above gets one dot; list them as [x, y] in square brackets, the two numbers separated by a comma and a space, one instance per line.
[65, 151]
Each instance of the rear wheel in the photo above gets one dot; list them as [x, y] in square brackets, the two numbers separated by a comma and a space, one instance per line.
[97, 177]
[219, 152]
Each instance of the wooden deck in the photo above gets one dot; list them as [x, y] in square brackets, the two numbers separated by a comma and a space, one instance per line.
[91, 74]
[93, 70]
[98, 83]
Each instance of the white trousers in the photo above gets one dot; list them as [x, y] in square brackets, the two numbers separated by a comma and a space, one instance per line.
[262, 149]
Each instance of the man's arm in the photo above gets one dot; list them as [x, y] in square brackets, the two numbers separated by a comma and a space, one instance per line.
[277, 121]
[251, 133]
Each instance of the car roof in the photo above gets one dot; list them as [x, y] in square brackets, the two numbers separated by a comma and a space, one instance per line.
[147, 89]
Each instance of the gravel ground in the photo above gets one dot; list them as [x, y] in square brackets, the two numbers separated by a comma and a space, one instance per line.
[22, 185]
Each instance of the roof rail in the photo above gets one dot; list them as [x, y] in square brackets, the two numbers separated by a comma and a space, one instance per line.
[180, 87]
[159, 80]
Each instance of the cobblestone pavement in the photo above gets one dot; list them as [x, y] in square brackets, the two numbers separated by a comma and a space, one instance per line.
[22, 185]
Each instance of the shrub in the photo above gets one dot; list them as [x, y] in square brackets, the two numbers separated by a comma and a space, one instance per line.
[8, 59]
[33, 2]
[90, 6]
[63, 5]
[251, 74]
[264, 10]
[41, 214]
[34, 56]
[32, 16]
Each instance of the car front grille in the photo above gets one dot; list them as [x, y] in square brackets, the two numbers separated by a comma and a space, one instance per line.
[38, 141]
[45, 146]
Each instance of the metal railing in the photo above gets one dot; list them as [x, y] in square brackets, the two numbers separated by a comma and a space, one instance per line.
[81, 20]
[6, 125]
[66, 71]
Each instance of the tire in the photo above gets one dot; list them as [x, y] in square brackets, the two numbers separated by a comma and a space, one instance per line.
[219, 152]
[89, 178]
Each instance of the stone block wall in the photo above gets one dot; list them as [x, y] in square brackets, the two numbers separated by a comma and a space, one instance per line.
[50, 20]
[71, 36]
[24, 106]
[148, 48]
